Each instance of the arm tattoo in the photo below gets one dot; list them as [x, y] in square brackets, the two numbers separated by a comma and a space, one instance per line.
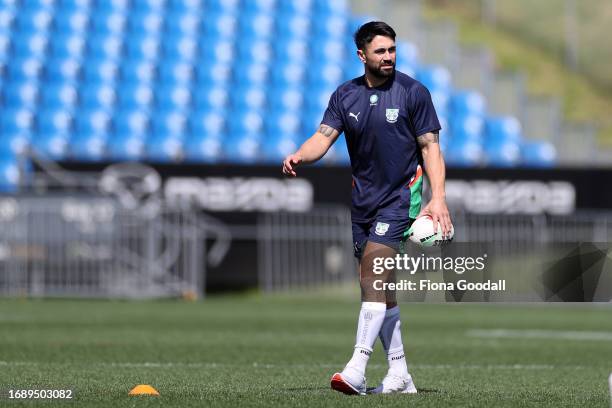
[428, 138]
[326, 131]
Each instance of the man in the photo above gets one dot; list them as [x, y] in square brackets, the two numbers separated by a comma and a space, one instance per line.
[391, 129]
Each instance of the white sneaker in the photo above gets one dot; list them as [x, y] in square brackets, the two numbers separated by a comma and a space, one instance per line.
[350, 381]
[395, 384]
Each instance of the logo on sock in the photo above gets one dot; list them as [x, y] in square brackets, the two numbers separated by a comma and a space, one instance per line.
[366, 352]
[397, 357]
[367, 315]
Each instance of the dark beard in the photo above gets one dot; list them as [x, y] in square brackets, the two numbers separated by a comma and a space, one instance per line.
[379, 73]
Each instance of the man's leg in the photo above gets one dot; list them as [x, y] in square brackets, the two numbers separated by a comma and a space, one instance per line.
[371, 317]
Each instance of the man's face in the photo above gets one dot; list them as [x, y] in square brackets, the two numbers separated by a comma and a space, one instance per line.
[379, 56]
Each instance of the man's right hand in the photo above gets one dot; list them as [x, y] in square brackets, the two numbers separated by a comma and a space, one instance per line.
[290, 163]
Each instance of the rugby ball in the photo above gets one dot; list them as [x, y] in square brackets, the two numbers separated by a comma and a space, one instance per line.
[421, 232]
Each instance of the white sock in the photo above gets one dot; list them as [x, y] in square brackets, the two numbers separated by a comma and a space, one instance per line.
[391, 338]
[371, 319]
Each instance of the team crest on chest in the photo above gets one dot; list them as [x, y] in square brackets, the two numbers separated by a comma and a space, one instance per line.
[392, 115]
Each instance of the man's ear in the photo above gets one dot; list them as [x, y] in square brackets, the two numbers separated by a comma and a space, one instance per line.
[361, 56]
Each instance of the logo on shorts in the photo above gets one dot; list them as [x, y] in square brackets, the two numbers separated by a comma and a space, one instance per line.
[392, 115]
[381, 228]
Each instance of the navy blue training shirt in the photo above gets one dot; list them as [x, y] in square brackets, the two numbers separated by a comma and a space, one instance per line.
[381, 126]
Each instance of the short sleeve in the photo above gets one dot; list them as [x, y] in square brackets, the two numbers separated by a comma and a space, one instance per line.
[422, 111]
[333, 114]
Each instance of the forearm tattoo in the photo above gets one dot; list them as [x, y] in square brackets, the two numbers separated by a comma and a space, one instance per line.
[427, 138]
[326, 130]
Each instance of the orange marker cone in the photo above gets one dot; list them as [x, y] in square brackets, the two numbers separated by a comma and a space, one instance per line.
[143, 389]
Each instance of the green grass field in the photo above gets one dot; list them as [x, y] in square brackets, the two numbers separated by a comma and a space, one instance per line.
[281, 350]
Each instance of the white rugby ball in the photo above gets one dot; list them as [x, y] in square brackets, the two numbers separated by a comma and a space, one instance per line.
[421, 232]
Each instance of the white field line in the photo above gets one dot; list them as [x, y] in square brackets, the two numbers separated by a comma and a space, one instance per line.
[540, 334]
[298, 366]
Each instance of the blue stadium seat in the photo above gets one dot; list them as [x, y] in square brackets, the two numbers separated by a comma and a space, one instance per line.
[20, 94]
[181, 23]
[67, 46]
[125, 147]
[136, 70]
[172, 97]
[464, 153]
[253, 97]
[99, 70]
[502, 153]
[219, 52]
[145, 23]
[71, 21]
[255, 50]
[440, 99]
[469, 127]
[185, 6]
[259, 6]
[9, 175]
[334, 27]
[62, 70]
[87, 147]
[250, 73]
[311, 121]
[357, 21]
[162, 148]
[104, 23]
[211, 97]
[220, 26]
[289, 74]
[224, 6]
[245, 121]
[74, 4]
[168, 123]
[7, 16]
[407, 53]
[131, 122]
[144, 6]
[23, 69]
[468, 103]
[207, 122]
[434, 77]
[175, 73]
[276, 146]
[353, 68]
[14, 120]
[97, 96]
[203, 148]
[285, 98]
[29, 45]
[293, 50]
[135, 96]
[242, 148]
[406, 68]
[14, 143]
[285, 122]
[214, 73]
[501, 129]
[143, 47]
[332, 7]
[538, 154]
[293, 7]
[53, 121]
[91, 122]
[101, 46]
[183, 49]
[5, 45]
[317, 97]
[50, 145]
[33, 19]
[330, 50]
[112, 5]
[294, 27]
[326, 74]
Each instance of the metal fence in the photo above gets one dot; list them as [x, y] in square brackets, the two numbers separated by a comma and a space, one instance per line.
[94, 247]
[301, 250]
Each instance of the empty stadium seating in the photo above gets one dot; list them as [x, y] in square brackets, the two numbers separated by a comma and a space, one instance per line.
[242, 81]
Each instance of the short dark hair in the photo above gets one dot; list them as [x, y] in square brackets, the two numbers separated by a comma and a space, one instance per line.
[366, 33]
